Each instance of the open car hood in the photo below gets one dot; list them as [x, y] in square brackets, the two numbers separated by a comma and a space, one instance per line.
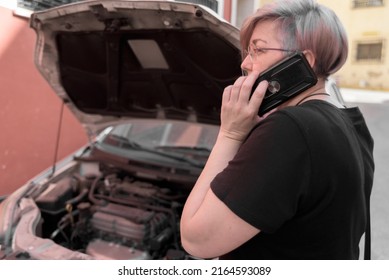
[110, 61]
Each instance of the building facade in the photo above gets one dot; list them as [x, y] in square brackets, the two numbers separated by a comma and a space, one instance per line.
[366, 22]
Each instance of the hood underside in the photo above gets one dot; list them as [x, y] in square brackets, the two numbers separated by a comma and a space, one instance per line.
[115, 60]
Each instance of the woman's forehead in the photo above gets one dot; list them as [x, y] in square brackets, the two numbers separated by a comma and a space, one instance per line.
[265, 33]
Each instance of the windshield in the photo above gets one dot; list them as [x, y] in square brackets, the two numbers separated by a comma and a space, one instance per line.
[155, 134]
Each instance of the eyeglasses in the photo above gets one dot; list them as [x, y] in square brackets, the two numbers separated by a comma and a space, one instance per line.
[254, 53]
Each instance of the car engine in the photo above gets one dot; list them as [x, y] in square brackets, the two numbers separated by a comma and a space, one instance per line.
[113, 215]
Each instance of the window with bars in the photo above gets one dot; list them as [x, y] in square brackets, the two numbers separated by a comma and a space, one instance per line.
[38, 5]
[369, 51]
[367, 3]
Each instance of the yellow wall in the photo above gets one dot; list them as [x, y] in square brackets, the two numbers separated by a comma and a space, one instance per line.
[262, 2]
[363, 24]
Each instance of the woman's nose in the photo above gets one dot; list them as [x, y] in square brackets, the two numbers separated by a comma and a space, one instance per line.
[246, 66]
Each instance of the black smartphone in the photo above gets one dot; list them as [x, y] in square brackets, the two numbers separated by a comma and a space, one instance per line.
[286, 79]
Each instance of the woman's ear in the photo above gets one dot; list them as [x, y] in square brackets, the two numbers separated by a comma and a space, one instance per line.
[310, 57]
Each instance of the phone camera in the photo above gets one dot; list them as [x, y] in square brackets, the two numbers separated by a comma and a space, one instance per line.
[274, 87]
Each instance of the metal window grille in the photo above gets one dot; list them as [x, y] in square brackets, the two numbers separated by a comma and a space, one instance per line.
[367, 3]
[37, 5]
[369, 51]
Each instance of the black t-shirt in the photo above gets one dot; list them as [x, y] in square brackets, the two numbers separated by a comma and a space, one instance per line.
[302, 177]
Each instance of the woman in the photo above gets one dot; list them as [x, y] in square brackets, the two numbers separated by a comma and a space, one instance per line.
[294, 184]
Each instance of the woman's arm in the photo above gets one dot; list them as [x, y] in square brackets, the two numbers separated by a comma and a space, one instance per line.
[208, 227]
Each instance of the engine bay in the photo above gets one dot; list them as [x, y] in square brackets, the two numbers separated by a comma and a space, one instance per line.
[111, 214]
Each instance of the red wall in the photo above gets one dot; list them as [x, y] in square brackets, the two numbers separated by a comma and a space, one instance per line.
[29, 109]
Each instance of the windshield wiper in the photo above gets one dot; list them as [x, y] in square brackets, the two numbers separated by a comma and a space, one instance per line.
[178, 157]
[128, 144]
[189, 148]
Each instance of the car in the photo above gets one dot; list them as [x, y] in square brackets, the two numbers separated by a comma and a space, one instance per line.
[145, 79]
[335, 92]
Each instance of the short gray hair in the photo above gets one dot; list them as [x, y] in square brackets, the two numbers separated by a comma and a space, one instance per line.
[305, 25]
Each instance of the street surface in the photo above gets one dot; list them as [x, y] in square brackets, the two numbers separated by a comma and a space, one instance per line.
[375, 107]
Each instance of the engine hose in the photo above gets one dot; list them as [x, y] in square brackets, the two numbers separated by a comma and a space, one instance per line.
[78, 198]
[91, 196]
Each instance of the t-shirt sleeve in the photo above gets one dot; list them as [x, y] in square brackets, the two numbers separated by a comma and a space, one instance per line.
[268, 176]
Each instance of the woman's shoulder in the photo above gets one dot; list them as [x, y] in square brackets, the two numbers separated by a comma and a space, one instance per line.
[308, 113]
[295, 120]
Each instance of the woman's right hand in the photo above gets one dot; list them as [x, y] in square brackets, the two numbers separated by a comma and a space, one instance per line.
[239, 112]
